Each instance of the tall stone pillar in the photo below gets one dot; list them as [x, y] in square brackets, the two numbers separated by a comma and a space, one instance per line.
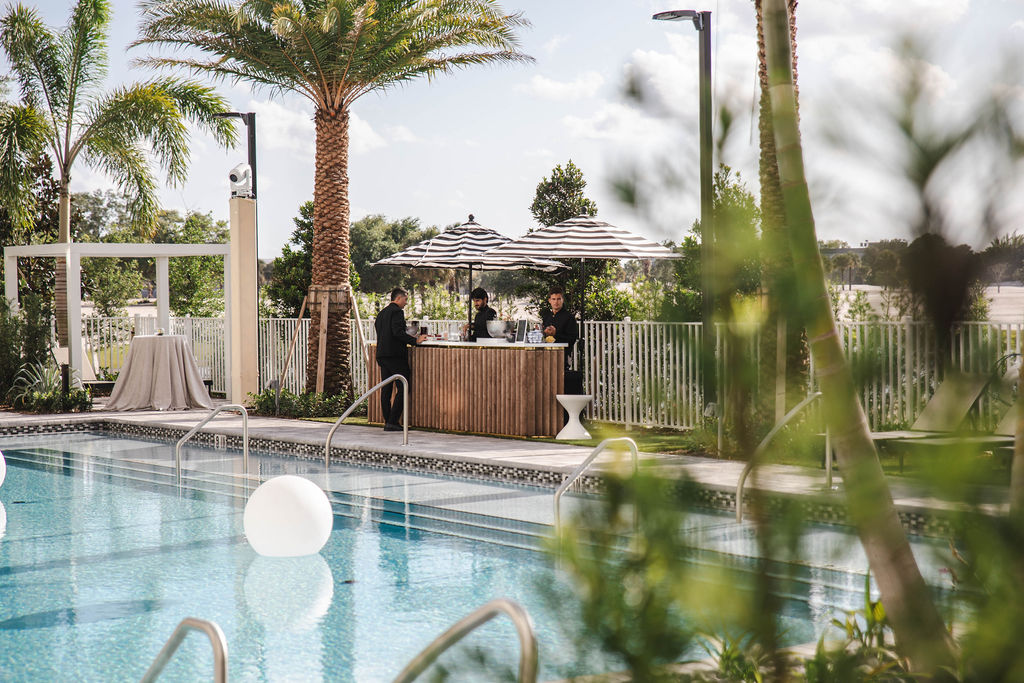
[242, 309]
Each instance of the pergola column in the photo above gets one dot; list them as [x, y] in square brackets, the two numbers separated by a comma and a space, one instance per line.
[163, 289]
[11, 279]
[74, 261]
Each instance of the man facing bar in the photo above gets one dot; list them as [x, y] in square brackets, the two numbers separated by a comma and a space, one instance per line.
[393, 356]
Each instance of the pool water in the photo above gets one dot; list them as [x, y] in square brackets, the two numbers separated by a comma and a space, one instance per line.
[99, 563]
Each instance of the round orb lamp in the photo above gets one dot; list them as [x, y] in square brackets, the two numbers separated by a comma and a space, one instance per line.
[287, 516]
[3, 468]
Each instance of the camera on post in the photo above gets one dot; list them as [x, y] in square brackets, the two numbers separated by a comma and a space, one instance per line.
[240, 178]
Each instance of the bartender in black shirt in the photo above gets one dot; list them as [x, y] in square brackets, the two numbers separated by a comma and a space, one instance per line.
[483, 314]
[560, 323]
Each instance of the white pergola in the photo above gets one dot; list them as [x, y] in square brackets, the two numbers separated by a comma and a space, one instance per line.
[73, 253]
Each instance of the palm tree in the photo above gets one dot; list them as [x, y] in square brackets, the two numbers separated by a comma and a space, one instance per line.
[118, 131]
[332, 52]
[778, 265]
[22, 137]
[917, 624]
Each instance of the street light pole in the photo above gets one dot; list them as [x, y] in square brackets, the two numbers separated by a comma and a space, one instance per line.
[702, 22]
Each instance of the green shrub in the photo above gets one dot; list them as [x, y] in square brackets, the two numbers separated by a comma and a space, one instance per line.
[37, 389]
[298, 405]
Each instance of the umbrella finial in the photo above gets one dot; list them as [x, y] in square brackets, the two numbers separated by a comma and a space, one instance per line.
[470, 218]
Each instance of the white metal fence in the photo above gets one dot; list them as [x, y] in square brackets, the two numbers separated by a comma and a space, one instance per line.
[639, 372]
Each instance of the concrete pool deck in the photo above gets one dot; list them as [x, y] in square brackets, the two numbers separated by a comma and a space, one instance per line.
[483, 456]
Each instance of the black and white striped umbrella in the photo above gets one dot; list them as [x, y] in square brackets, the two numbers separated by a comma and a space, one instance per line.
[583, 237]
[466, 247]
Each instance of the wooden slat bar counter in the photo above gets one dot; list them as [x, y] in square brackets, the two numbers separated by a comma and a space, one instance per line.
[484, 388]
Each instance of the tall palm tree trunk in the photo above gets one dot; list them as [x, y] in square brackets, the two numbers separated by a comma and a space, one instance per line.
[60, 284]
[330, 253]
[919, 629]
[783, 375]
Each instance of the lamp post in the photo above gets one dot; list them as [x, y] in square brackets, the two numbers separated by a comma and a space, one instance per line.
[249, 119]
[702, 22]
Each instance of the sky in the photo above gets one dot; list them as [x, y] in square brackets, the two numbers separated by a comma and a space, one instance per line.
[479, 141]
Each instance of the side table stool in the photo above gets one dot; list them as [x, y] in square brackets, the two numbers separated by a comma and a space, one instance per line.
[574, 405]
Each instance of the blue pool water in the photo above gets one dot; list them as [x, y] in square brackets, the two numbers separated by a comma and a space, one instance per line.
[101, 559]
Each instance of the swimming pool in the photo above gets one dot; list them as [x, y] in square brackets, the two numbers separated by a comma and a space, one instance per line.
[102, 558]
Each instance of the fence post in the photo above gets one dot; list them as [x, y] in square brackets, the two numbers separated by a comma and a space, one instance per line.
[909, 382]
[627, 368]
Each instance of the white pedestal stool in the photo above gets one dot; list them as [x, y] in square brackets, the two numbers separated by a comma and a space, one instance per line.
[574, 405]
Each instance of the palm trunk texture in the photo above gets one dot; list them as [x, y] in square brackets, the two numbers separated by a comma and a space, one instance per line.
[331, 250]
[780, 334]
[919, 629]
[60, 283]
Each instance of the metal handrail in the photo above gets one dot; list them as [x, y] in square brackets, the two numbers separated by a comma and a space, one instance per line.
[524, 629]
[348, 411]
[571, 479]
[217, 641]
[216, 411]
[763, 446]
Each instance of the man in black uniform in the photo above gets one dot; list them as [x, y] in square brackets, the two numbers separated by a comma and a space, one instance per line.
[483, 313]
[393, 355]
[560, 323]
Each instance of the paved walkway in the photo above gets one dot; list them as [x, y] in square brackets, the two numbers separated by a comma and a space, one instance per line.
[542, 456]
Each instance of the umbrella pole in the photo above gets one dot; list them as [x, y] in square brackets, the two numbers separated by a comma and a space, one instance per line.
[469, 301]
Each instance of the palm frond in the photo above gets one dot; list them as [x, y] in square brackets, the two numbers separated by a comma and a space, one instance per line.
[82, 48]
[331, 51]
[23, 133]
[128, 165]
[31, 49]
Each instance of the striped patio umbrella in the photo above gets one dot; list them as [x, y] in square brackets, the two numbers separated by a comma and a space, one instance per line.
[583, 237]
[466, 247]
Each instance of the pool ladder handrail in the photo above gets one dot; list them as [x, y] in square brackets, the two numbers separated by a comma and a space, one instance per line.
[763, 446]
[520, 619]
[571, 479]
[217, 641]
[216, 411]
[348, 411]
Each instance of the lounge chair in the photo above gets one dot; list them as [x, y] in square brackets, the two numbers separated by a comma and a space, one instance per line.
[999, 440]
[944, 413]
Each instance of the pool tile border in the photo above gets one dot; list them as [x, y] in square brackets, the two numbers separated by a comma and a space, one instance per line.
[922, 521]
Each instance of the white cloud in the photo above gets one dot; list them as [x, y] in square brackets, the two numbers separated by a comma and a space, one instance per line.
[291, 129]
[1017, 25]
[583, 86]
[553, 43]
[400, 134]
[281, 127]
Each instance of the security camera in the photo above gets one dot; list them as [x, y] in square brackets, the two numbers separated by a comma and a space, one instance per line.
[241, 181]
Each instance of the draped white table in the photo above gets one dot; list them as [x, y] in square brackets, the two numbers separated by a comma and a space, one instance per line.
[159, 373]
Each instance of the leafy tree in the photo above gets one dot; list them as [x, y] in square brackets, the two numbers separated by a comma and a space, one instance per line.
[290, 273]
[882, 261]
[35, 275]
[119, 131]
[294, 267]
[22, 138]
[375, 237]
[196, 282]
[556, 199]
[111, 282]
[332, 53]
[561, 197]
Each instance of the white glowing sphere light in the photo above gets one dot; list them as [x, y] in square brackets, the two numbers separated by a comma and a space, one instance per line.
[3, 468]
[288, 516]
